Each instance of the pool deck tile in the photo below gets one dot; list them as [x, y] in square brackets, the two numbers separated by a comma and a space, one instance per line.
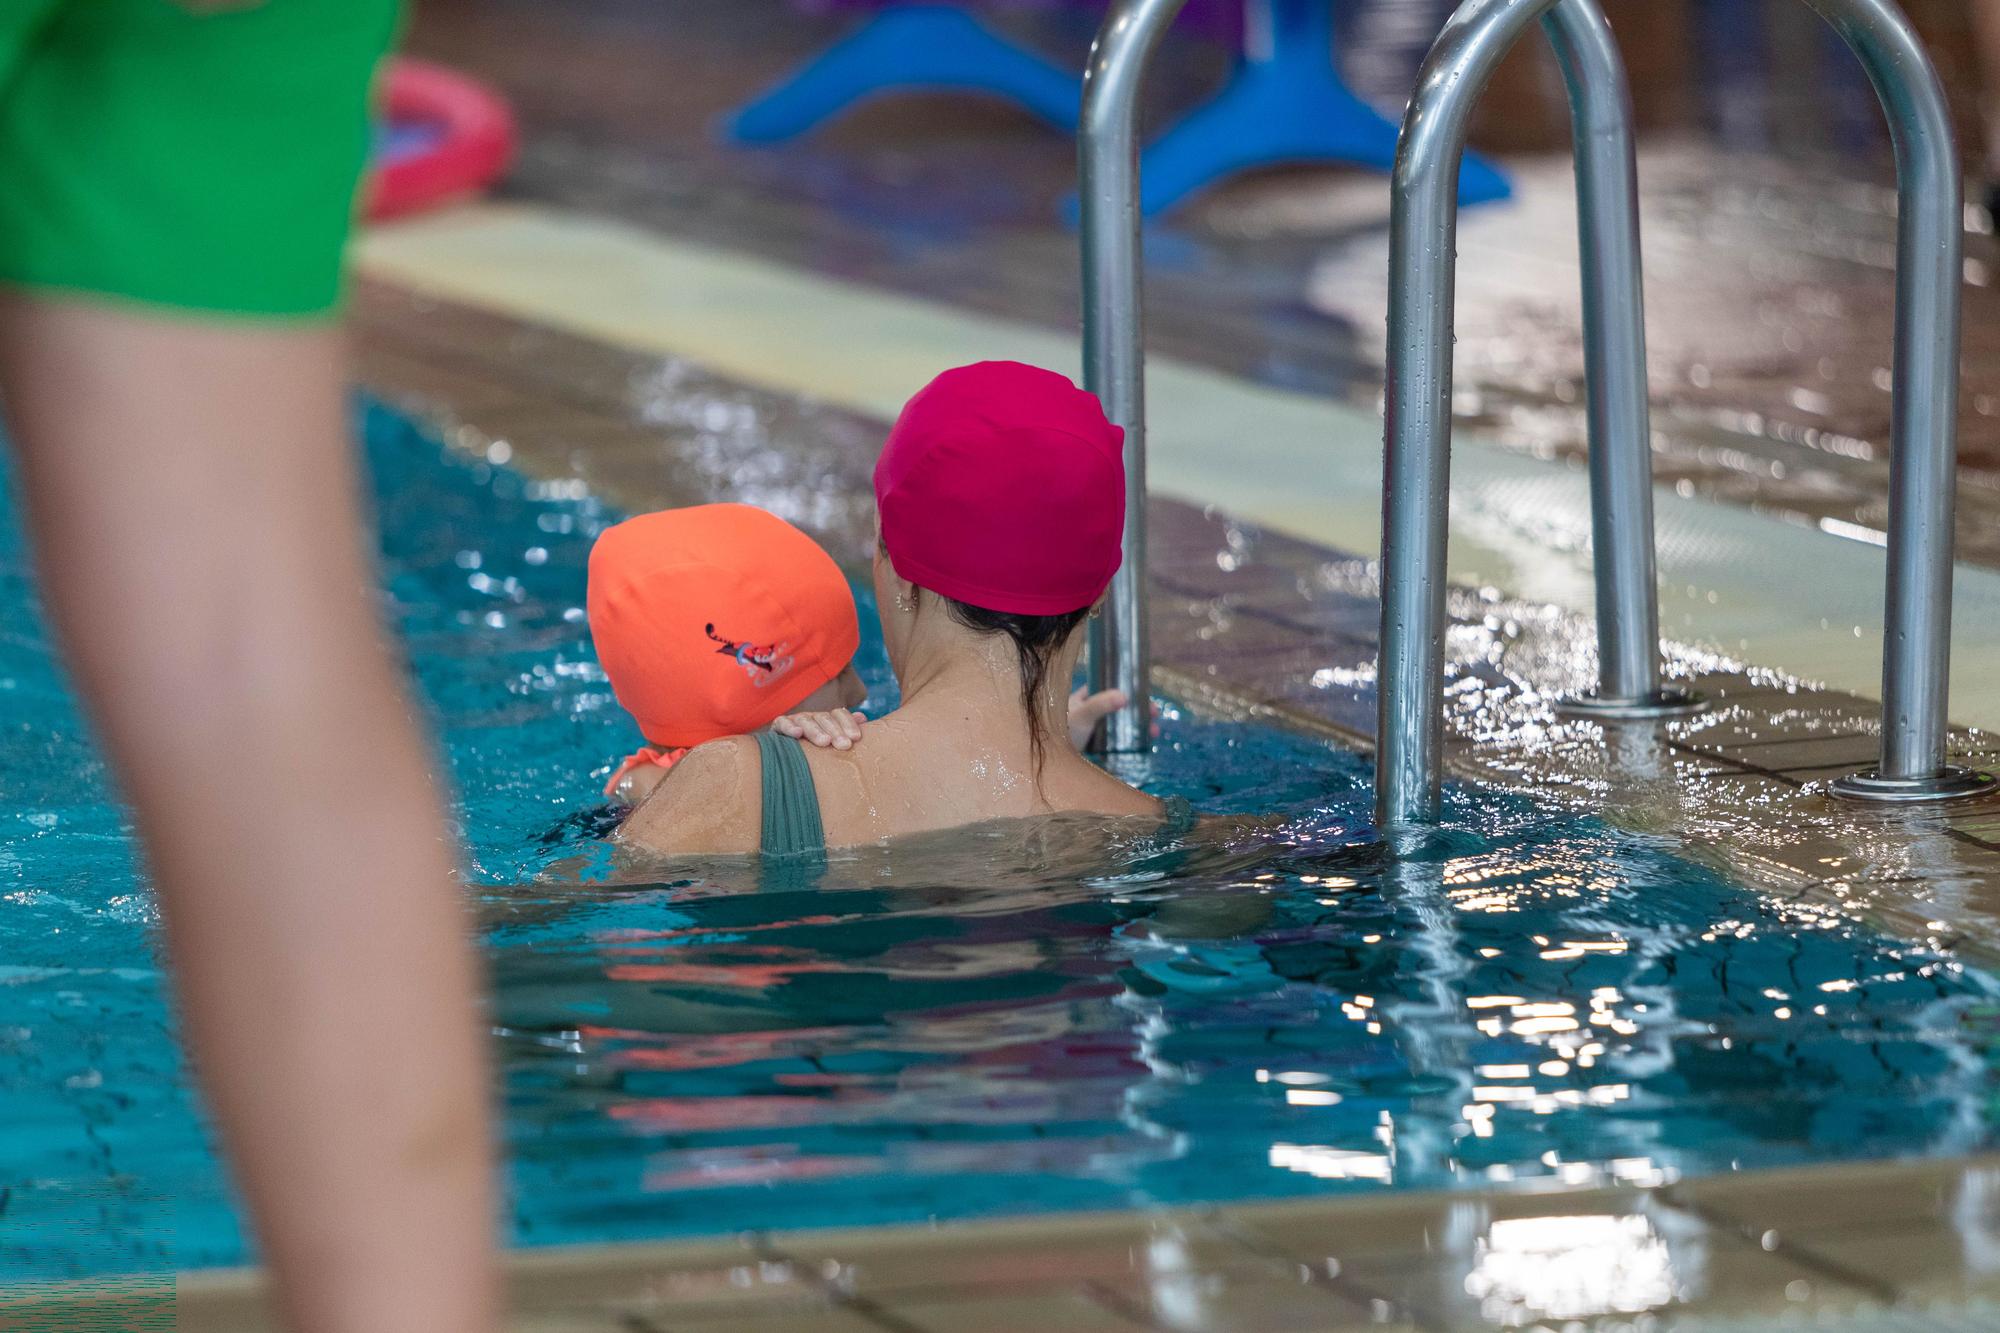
[1081, 1308]
[1874, 1222]
[1020, 1255]
[1453, 1262]
[1796, 1246]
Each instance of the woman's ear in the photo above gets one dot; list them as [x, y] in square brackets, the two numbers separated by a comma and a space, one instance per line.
[892, 588]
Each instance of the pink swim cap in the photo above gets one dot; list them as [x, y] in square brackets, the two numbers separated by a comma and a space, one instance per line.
[1003, 486]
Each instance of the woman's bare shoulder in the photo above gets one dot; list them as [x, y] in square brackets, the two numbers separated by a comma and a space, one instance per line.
[711, 801]
[1105, 794]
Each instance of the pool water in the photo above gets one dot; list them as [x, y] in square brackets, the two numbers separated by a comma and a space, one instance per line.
[999, 1021]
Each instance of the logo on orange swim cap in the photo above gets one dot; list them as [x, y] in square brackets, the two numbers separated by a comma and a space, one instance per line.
[763, 663]
[714, 620]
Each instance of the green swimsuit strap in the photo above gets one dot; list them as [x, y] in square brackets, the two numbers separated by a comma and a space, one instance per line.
[791, 802]
[1177, 817]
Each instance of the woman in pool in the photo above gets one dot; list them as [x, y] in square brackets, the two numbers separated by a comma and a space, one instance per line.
[1001, 507]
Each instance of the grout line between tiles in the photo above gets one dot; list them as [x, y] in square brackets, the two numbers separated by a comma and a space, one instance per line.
[1365, 1299]
[867, 1307]
[637, 1323]
[1814, 739]
[1117, 1303]
[1779, 1244]
[874, 1313]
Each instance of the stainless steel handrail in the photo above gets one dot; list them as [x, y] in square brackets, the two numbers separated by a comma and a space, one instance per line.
[1615, 359]
[1923, 448]
[1617, 407]
[1418, 411]
[1423, 241]
[1114, 340]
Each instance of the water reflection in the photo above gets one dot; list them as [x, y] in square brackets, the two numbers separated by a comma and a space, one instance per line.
[939, 1032]
[1008, 1020]
[1019, 1020]
[1526, 1269]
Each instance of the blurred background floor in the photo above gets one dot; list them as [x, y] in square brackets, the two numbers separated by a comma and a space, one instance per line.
[1765, 178]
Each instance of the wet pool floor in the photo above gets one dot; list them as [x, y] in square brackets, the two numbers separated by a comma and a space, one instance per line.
[1881, 1249]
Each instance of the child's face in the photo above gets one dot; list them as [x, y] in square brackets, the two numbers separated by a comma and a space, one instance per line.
[843, 691]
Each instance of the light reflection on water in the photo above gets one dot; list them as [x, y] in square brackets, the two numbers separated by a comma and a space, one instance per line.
[1587, 1012]
[1013, 1019]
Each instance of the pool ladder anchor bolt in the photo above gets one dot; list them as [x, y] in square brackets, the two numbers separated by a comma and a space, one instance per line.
[1668, 701]
[1953, 782]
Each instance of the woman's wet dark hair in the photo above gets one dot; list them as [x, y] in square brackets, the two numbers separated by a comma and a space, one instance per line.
[1036, 641]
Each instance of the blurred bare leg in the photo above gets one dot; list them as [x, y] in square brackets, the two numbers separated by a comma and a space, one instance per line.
[193, 496]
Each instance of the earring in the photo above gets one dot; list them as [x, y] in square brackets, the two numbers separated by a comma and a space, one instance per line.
[905, 602]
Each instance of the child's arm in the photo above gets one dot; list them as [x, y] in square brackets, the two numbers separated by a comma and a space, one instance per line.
[839, 729]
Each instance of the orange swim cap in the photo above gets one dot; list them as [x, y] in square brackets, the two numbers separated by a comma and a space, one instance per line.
[716, 620]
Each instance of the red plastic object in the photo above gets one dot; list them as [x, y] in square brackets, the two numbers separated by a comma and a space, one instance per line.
[475, 144]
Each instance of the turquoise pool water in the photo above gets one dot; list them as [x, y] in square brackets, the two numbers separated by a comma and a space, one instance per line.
[987, 1024]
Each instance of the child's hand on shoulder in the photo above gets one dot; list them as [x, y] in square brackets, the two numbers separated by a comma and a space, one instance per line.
[834, 729]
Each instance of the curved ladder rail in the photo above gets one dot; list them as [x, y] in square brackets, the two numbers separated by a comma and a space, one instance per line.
[1614, 333]
[1418, 421]
[1114, 336]
[1416, 485]
[1923, 439]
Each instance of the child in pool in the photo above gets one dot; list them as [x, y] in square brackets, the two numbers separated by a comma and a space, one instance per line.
[717, 620]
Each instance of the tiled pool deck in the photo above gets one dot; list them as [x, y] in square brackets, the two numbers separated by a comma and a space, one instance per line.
[1853, 1250]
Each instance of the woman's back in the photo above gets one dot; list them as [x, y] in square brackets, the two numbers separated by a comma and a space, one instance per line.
[910, 774]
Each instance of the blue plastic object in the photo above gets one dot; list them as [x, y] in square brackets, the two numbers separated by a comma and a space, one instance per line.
[1285, 104]
[913, 46]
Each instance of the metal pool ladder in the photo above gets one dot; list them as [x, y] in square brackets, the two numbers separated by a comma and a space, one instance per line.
[1614, 327]
[1114, 340]
[1423, 238]
[1110, 223]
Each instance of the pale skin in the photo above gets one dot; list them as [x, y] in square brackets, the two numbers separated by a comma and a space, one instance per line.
[194, 501]
[830, 718]
[957, 752]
